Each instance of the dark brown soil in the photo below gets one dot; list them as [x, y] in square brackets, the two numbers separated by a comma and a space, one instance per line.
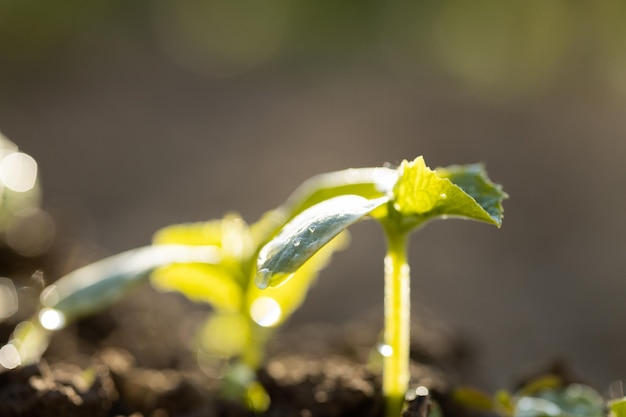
[105, 366]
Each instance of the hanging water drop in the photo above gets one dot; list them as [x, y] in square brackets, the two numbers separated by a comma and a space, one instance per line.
[262, 278]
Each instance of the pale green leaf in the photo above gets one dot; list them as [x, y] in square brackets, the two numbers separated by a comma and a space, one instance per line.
[465, 192]
[278, 303]
[28, 342]
[233, 238]
[231, 234]
[370, 183]
[199, 282]
[97, 286]
[306, 233]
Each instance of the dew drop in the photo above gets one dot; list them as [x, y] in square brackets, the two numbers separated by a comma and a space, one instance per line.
[312, 229]
[443, 196]
[51, 319]
[265, 311]
[297, 242]
[262, 278]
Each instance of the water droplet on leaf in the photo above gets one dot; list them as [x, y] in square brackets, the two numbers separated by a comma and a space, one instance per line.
[297, 242]
[443, 196]
[312, 229]
[262, 278]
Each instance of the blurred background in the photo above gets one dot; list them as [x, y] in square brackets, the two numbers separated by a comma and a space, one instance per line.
[147, 113]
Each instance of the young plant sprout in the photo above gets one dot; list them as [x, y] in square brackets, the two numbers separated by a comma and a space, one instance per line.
[255, 276]
[405, 199]
[212, 262]
[545, 395]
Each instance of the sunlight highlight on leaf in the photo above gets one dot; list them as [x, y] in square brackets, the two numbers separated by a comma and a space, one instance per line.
[459, 191]
[303, 236]
[366, 182]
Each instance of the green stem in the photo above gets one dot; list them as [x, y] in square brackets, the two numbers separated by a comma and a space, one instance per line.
[397, 320]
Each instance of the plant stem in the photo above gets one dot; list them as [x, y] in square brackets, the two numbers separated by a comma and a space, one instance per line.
[397, 320]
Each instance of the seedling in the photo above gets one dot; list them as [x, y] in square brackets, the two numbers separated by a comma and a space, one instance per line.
[546, 395]
[256, 275]
[212, 262]
[406, 199]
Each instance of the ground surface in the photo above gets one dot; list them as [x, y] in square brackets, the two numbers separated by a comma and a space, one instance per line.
[125, 362]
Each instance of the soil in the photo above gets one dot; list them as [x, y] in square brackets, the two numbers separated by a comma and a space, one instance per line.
[129, 362]
[135, 359]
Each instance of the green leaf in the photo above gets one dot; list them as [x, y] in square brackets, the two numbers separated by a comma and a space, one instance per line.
[574, 400]
[306, 233]
[210, 284]
[28, 342]
[99, 285]
[370, 183]
[422, 193]
[474, 181]
[278, 303]
[216, 284]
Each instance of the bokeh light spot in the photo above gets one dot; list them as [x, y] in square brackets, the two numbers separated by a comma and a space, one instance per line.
[51, 319]
[221, 38]
[9, 357]
[18, 172]
[265, 311]
[8, 298]
[385, 350]
[30, 232]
